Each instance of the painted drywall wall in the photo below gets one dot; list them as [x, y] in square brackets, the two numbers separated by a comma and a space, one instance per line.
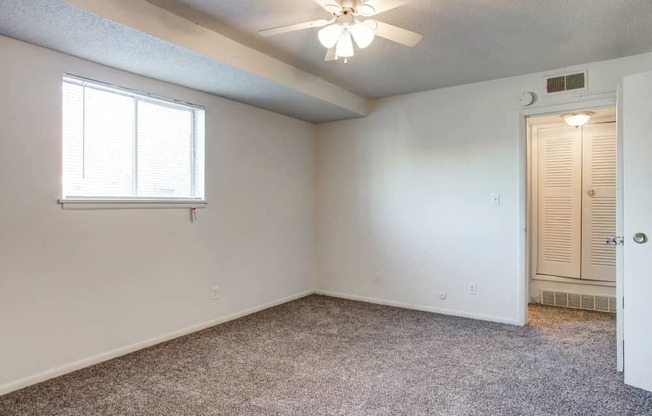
[404, 207]
[83, 285]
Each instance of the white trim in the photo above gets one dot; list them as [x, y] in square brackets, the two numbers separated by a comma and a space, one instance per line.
[559, 279]
[522, 252]
[620, 261]
[145, 96]
[607, 100]
[86, 362]
[94, 204]
[481, 317]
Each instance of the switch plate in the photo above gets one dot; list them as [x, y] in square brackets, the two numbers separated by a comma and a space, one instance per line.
[495, 200]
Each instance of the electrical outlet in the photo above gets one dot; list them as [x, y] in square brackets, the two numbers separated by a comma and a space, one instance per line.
[472, 289]
[216, 292]
[443, 295]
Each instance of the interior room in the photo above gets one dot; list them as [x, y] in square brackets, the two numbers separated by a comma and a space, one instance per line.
[325, 207]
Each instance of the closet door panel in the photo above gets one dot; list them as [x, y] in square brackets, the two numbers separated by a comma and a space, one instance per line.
[599, 202]
[559, 199]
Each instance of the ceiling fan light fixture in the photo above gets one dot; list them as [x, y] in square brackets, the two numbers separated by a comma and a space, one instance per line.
[366, 9]
[362, 35]
[350, 26]
[329, 35]
[345, 45]
[577, 119]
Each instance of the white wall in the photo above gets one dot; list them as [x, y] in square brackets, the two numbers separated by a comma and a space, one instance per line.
[81, 284]
[403, 196]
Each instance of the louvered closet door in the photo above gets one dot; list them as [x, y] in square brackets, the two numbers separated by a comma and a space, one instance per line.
[559, 199]
[599, 202]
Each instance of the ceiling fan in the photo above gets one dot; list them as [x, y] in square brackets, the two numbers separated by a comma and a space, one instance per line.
[351, 22]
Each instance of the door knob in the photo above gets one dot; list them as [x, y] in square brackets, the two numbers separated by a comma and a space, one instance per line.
[616, 241]
[640, 238]
[591, 193]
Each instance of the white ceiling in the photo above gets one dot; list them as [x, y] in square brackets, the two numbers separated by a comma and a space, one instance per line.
[464, 41]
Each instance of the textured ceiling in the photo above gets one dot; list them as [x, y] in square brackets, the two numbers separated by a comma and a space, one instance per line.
[59, 26]
[464, 41]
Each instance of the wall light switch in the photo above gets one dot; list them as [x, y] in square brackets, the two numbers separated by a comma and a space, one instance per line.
[495, 200]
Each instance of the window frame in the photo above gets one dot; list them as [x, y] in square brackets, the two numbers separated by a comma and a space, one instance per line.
[135, 202]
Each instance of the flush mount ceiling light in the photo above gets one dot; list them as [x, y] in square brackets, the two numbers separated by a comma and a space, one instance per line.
[348, 25]
[577, 119]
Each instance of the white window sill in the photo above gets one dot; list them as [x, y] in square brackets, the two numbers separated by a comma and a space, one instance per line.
[131, 204]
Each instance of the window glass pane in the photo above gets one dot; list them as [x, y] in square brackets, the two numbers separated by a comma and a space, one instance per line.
[73, 136]
[164, 151]
[120, 144]
[100, 163]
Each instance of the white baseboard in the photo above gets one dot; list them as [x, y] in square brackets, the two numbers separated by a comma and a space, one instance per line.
[86, 362]
[424, 308]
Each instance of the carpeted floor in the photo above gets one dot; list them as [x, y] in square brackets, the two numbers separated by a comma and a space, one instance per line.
[325, 356]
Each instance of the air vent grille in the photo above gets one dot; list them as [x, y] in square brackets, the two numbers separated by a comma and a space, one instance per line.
[578, 301]
[575, 81]
[556, 84]
[561, 83]
[602, 303]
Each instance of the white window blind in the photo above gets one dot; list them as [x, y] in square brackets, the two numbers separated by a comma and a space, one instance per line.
[121, 145]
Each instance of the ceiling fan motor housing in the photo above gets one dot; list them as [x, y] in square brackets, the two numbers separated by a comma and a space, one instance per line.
[346, 18]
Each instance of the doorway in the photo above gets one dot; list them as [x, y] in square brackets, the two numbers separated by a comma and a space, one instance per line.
[572, 178]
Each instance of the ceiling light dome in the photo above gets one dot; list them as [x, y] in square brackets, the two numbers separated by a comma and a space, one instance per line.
[329, 35]
[344, 45]
[577, 119]
[362, 35]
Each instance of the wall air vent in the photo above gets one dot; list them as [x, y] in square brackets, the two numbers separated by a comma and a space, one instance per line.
[578, 301]
[566, 82]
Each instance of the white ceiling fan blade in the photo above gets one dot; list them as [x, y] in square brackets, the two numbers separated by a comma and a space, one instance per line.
[331, 6]
[331, 55]
[294, 28]
[374, 7]
[394, 33]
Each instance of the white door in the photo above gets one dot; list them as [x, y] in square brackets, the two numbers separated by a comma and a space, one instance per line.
[599, 201]
[559, 200]
[637, 221]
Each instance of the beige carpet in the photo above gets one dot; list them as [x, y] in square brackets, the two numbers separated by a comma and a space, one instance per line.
[325, 356]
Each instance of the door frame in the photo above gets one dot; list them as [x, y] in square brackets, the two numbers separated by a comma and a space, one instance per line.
[607, 100]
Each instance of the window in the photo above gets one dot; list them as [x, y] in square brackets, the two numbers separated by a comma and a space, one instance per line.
[124, 146]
